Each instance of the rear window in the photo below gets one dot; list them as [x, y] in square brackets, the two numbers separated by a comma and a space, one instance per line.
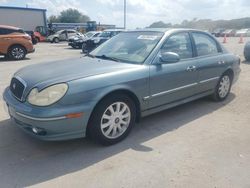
[5, 31]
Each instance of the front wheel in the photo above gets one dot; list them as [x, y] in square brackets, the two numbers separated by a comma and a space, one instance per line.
[223, 87]
[112, 120]
[17, 52]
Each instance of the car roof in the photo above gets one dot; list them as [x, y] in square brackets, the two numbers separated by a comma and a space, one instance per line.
[164, 30]
[114, 30]
[9, 27]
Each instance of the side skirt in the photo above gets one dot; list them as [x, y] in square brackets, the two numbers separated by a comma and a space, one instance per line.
[176, 103]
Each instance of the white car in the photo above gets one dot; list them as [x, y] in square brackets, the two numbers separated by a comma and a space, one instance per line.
[62, 35]
[243, 33]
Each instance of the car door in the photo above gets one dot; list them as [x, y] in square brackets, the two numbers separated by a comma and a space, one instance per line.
[176, 81]
[63, 35]
[210, 59]
[5, 39]
[71, 33]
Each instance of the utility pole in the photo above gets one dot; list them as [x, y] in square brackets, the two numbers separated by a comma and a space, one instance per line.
[125, 10]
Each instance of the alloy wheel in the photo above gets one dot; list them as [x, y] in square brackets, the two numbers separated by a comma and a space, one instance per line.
[17, 53]
[224, 86]
[115, 120]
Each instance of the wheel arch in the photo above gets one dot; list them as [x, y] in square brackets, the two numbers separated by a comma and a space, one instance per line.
[123, 91]
[16, 44]
[230, 72]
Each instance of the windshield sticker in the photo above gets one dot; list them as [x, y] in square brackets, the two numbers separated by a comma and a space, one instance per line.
[147, 37]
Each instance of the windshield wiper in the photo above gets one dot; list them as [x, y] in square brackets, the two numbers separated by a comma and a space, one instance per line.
[107, 58]
[89, 55]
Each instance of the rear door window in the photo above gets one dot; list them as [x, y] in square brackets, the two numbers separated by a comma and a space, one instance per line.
[205, 45]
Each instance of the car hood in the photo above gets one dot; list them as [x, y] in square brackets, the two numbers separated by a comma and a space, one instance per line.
[46, 74]
[99, 38]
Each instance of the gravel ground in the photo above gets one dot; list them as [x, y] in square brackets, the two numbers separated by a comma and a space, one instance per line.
[199, 144]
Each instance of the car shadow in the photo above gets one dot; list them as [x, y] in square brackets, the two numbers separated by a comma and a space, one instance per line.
[71, 48]
[4, 59]
[25, 161]
[246, 62]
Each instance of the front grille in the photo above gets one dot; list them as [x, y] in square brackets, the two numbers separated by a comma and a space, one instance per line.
[17, 88]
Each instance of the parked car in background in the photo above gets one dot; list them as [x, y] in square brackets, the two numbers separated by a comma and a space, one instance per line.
[76, 37]
[247, 51]
[132, 75]
[14, 42]
[228, 33]
[62, 35]
[93, 42]
[33, 37]
[218, 32]
[77, 42]
[243, 33]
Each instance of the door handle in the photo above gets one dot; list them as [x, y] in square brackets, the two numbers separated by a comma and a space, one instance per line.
[6, 38]
[221, 62]
[191, 68]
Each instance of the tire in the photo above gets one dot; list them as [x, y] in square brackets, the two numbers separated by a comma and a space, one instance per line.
[34, 41]
[247, 55]
[17, 52]
[223, 87]
[84, 48]
[107, 127]
[247, 58]
[56, 40]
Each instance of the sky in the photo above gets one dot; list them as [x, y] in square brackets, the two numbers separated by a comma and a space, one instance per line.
[142, 13]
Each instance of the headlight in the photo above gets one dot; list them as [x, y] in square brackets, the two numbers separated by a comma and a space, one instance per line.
[47, 96]
[80, 41]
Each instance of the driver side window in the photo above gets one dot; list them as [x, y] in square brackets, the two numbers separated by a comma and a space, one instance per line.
[180, 44]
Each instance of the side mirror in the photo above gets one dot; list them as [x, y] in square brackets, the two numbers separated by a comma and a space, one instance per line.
[169, 57]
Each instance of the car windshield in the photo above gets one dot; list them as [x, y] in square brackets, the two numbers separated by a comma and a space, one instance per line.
[59, 32]
[105, 34]
[89, 34]
[128, 47]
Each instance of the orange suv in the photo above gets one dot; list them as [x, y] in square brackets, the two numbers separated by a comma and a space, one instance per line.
[14, 42]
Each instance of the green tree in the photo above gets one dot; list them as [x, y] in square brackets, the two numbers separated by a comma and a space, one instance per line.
[72, 16]
[160, 24]
[53, 19]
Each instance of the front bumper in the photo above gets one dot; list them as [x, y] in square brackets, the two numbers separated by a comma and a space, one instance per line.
[54, 127]
[32, 51]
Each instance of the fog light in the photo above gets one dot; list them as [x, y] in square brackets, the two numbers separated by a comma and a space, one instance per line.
[35, 130]
[38, 131]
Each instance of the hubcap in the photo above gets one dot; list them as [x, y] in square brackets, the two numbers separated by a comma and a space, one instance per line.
[115, 120]
[224, 86]
[17, 53]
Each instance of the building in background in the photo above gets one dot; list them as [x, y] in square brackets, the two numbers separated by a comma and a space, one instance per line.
[26, 18]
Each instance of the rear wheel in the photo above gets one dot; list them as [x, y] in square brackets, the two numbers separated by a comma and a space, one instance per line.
[247, 55]
[223, 87]
[112, 120]
[56, 40]
[247, 58]
[17, 52]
